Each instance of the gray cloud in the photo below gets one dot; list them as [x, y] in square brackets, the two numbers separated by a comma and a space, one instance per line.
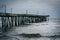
[50, 7]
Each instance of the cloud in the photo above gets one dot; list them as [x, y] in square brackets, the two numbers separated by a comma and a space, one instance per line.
[50, 7]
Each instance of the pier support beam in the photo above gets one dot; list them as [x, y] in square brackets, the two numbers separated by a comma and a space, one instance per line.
[12, 21]
[18, 21]
[2, 18]
[15, 21]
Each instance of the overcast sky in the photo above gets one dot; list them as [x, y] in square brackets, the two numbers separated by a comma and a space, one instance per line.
[40, 7]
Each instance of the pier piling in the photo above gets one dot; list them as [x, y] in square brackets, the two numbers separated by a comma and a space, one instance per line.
[12, 20]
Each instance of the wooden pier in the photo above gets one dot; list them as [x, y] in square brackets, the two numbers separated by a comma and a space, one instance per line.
[10, 20]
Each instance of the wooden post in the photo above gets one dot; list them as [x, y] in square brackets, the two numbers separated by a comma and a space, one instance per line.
[12, 21]
[4, 24]
[2, 18]
[8, 23]
[18, 21]
[15, 21]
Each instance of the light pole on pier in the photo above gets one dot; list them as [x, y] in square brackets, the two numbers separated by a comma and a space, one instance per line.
[26, 11]
[5, 8]
[5, 5]
[11, 10]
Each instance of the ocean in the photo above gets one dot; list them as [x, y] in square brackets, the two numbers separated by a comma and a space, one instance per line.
[46, 29]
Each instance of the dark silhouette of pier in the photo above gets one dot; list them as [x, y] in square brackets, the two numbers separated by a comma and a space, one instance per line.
[10, 20]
